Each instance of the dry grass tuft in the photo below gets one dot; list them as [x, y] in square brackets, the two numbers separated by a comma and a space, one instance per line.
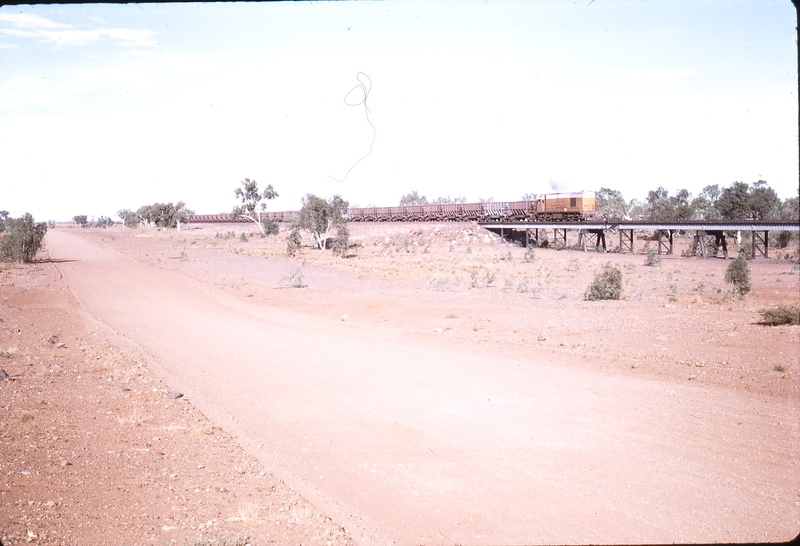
[780, 315]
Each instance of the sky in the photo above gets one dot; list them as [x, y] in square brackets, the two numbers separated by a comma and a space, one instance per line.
[105, 107]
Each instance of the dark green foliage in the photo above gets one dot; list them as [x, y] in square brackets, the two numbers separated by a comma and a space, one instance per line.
[164, 215]
[607, 284]
[80, 220]
[782, 314]
[738, 274]
[662, 207]
[3, 220]
[22, 240]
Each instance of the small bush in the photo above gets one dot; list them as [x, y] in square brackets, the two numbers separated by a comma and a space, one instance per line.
[243, 237]
[653, 259]
[607, 284]
[271, 227]
[22, 240]
[295, 279]
[293, 241]
[738, 274]
[782, 314]
[530, 256]
[341, 242]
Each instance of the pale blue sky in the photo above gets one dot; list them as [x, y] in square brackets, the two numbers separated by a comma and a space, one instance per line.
[104, 107]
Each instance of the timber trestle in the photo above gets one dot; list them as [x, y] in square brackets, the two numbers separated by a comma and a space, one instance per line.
[709, 237]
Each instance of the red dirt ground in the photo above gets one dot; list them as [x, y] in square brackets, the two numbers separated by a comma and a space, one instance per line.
[436, 387]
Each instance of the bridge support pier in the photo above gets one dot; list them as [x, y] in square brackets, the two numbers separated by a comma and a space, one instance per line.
[560, 238]
[596, 236]
[665, 245]
[760, 244]
[532, 237]
[626, 240]
[704, 239]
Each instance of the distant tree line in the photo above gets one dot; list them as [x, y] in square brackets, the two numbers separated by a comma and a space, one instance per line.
[414, 198]
[161, 215]
[738, 201]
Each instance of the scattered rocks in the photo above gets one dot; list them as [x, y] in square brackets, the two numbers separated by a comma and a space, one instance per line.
[542, 337]
[174, 395]
[4, 376]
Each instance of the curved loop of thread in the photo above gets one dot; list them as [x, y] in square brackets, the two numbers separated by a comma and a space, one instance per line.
[365, 88]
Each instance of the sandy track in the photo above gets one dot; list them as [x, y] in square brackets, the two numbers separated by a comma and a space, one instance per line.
[406, 440]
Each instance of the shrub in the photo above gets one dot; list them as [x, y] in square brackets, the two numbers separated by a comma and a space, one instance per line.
[782, 314]
[22, 240]
[653, 259]
[243, 237]
[341, 242]
[271, 227]
[530, 256]
[738, 274]
[293, 241]
[607, 284]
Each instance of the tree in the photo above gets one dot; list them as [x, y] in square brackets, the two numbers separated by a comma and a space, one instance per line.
[3, 220]
[103, 222]
[764, 203]
[659, 206]
[704, 205]
[129, 218]
[529, 197]
[413, 198]
[253, 204]
[318, 217]
[165, 215]
[80, 220]
[733, 202]
[448, 200]
[23, 239]
[682, 208]
[611, 205]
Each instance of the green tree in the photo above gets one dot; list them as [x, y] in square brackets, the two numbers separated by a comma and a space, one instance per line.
[704, 205]
[319, 216]
[3, 220]
[253, 204]
[790, 209]
[763, 202]
[129, 218]
[165, 215]
[659, 206]
[413, 198]
[733, 202]
[80, 220]
[682, 208]
[23, 239]
[611, 205]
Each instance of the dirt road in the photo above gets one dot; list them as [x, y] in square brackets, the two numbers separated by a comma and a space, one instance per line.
[415, 440]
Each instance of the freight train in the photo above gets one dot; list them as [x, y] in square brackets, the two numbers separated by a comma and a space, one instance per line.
[551, 207]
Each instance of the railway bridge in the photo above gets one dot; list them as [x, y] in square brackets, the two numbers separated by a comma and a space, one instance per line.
[708, 234]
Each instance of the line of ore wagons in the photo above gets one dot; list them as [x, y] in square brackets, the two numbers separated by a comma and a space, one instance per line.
[552, 207]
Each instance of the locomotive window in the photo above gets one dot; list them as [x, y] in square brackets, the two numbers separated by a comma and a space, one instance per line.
[573, 201]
